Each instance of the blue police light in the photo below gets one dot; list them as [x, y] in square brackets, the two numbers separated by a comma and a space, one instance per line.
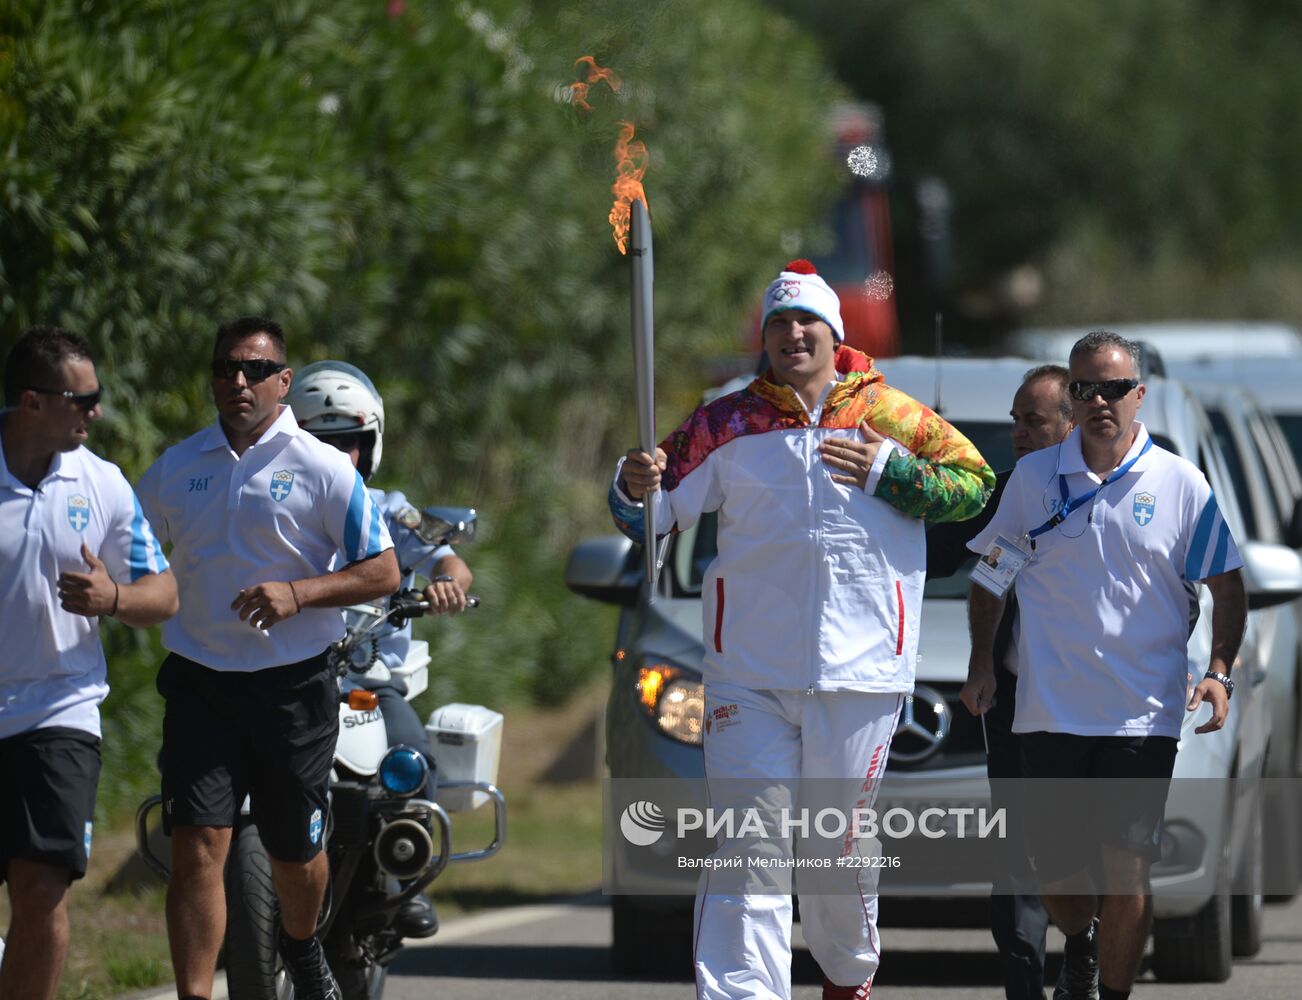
[403, 771]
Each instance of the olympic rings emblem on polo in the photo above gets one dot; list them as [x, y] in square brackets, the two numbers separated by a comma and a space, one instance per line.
[78, 512]
[1145, 504]
[924, 724]
[281, 483]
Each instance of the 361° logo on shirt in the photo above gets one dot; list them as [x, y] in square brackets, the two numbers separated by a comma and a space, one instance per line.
[281, 483]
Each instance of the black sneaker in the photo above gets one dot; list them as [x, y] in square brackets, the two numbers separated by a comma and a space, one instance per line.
[1079, 977]
[416, 918]
[307, 967]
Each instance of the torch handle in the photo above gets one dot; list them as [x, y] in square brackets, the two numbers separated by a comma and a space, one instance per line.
[640, 256]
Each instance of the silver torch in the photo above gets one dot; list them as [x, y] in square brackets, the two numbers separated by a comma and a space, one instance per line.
[644, 380]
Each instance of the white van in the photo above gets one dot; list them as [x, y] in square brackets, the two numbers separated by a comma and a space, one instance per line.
[1177, 340]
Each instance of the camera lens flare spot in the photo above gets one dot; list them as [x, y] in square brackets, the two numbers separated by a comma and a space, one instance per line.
[879, 286]
[863, 161]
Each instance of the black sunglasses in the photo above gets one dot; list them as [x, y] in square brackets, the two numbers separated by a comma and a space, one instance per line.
[81, 400]
[254, 371]
[1111, 390]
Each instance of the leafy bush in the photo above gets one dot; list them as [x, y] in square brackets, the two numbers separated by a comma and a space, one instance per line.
[406, 187]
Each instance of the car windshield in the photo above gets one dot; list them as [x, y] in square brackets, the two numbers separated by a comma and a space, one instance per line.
[1234, 463]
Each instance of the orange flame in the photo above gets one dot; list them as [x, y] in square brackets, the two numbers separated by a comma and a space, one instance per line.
[630, 156]
[596, 74]
[630, 165]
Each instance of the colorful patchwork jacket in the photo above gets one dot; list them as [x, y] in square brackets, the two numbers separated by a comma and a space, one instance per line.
[817, 585]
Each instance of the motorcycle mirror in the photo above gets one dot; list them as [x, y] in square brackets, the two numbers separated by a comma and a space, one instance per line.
[447, 525]
[360, 700]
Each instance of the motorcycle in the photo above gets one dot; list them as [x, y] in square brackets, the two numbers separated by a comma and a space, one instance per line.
[383, 841]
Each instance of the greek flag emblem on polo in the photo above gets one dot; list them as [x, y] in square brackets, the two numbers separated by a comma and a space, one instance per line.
[314, 826]
[1143, 509]
[78, 512]
[281, 483]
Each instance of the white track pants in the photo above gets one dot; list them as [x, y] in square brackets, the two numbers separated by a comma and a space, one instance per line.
[743, 940]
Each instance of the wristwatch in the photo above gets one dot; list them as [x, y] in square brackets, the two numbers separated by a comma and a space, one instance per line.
[1228, 684]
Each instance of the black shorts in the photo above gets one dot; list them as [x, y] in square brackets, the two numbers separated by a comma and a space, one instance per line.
[1086, 791]
[269, 734]
[48, 779]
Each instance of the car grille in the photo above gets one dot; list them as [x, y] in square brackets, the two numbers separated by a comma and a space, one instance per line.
[915, 748]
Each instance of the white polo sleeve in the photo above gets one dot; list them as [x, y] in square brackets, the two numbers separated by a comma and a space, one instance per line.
[1210, 548]
[353, 518]
[131, 549]
[1010, 518]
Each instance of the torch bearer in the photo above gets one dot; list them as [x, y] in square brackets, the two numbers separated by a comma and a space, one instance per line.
[639, 254]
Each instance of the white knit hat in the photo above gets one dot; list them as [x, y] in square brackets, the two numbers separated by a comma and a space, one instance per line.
[800, 287]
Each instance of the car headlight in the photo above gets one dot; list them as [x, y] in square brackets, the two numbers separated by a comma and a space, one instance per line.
[673, 700]
[403, 771]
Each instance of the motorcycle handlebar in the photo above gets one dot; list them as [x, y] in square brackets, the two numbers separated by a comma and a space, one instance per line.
[403, 606]
[408, 604]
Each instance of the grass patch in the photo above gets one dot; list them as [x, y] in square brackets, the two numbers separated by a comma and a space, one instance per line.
[136, 972]
[119, 943]
[553, 848]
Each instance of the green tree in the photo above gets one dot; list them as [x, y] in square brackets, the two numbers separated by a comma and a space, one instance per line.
[1111, 142]
[409, 189]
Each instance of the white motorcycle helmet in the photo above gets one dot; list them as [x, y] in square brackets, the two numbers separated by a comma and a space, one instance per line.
[334, 397]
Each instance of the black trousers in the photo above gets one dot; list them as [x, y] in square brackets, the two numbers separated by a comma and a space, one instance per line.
[1018, 920]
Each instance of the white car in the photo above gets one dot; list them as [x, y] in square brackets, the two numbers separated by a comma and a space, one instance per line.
[1192, 341]
[1269, 490]
[654, 723]
[1263, 357]
[1273, 381]
[1212, 839]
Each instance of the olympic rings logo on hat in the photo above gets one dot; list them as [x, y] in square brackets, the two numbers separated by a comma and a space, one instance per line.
[787, 291]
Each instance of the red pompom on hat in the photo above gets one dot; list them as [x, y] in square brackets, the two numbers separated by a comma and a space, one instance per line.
[801, 266]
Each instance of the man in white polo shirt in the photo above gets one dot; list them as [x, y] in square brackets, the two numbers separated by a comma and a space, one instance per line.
[1115, 526]
[255, 509]
[75, 547]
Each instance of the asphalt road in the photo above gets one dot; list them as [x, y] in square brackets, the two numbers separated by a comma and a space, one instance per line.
[560, 953]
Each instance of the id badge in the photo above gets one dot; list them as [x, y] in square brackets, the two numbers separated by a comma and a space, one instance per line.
[998, 568]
